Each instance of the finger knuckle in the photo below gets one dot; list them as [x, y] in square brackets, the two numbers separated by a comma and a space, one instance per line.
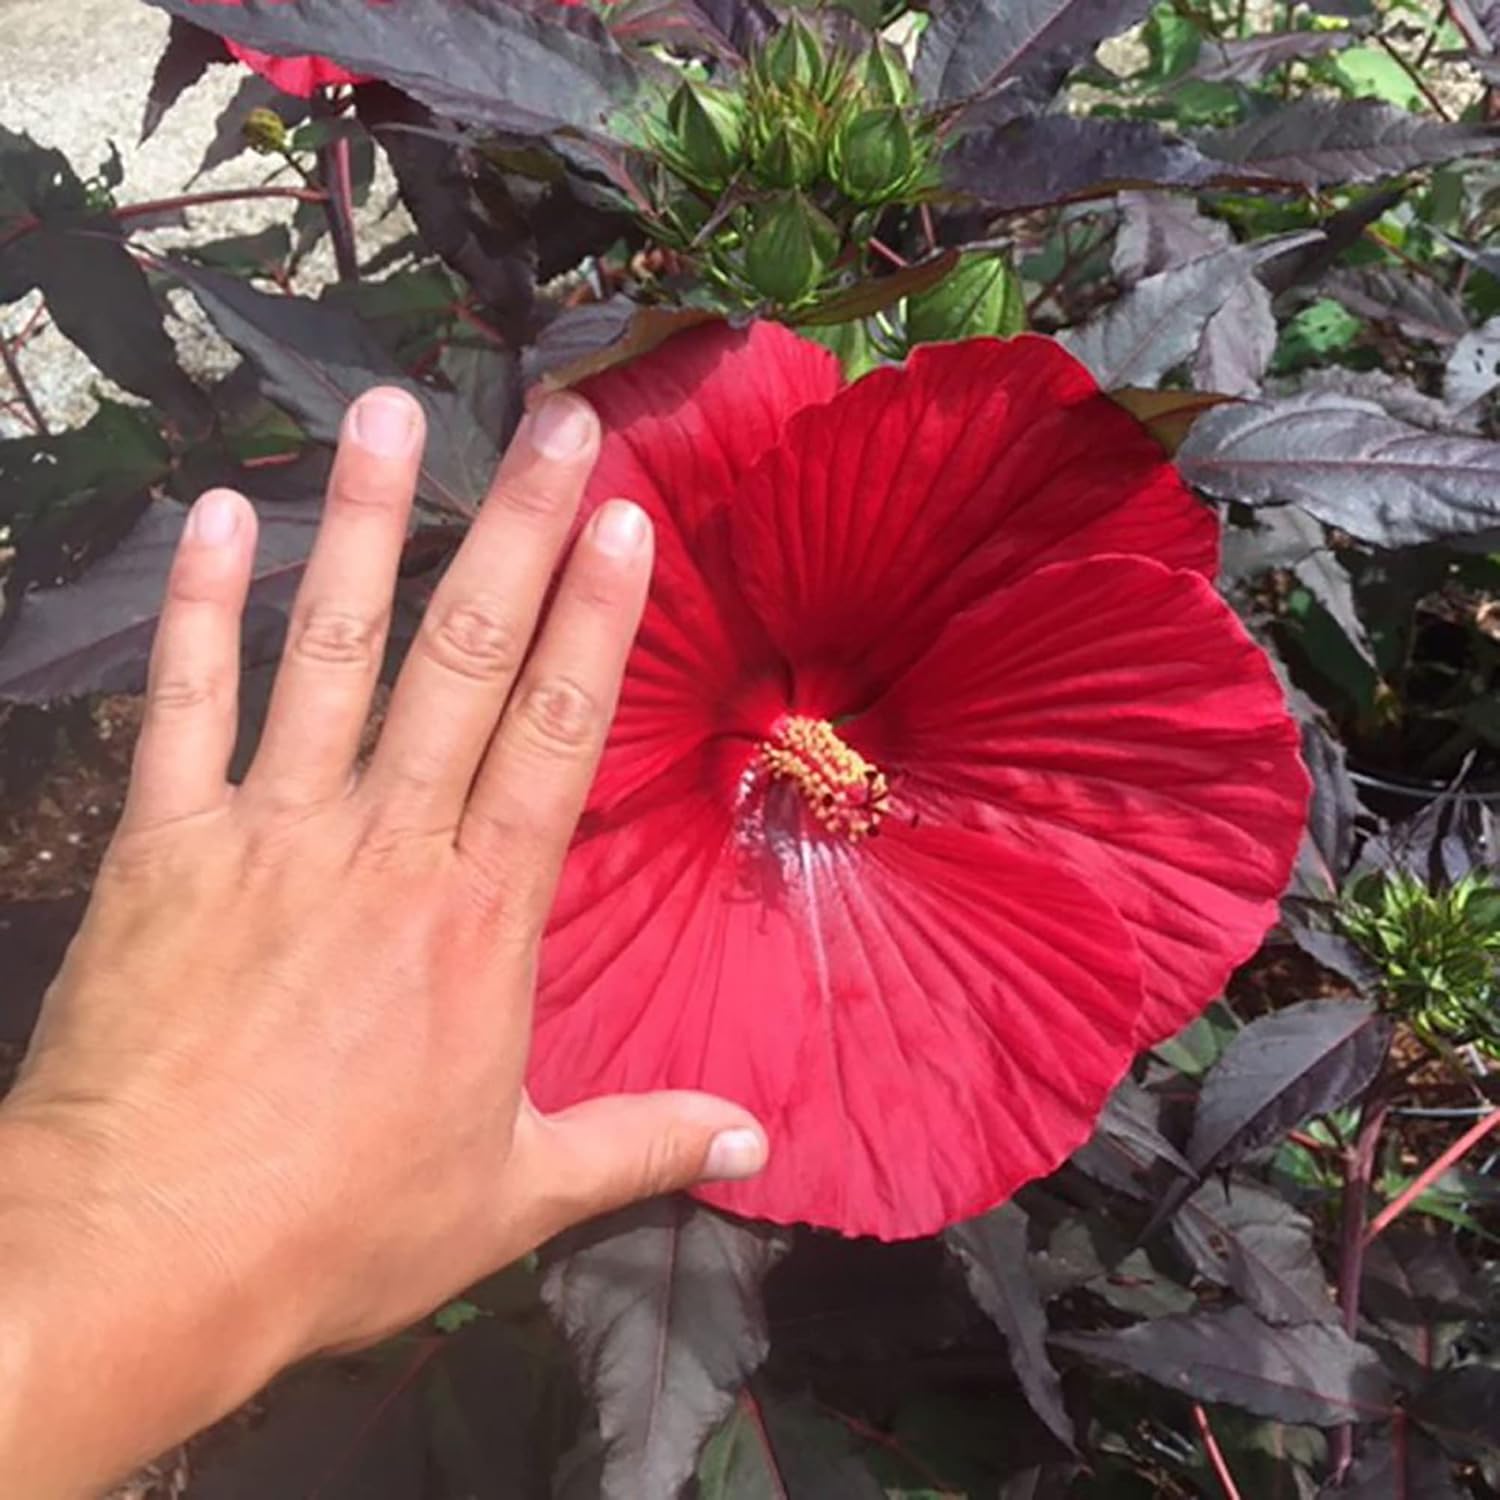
[561, 716]
[373, 489]
[335, 637]
[179, 693]
[527, 499]
[476, 638]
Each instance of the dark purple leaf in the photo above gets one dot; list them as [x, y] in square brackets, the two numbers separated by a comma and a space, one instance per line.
[1249, 59]
[972, 47]
[1127, 1145]
[1161, 230]
[316, 357]
[585, 340]
[1313, 1373]
[881, 292]
[1029, 163]
[1418, 307]
[662, 1304]
[1322, 143]
[1420, 1293]
[1291, 540]
[1411, 1469]
[490, 246]
[1473, 367]
[1281, 1070]
[188, 55]
[1241, 1235]
[992, 1250]
[529, 66]
[1350, 465]
[1461, 1409]
[94, 636]
[96, 294]
[1333, 815]
[684, 24]
[774, 1449]
[1395, 395]
[1159, 322]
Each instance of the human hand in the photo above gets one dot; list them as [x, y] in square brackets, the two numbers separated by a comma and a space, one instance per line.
[277, 1090]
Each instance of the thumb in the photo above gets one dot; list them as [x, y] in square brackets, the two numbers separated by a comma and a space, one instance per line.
[624, 1147]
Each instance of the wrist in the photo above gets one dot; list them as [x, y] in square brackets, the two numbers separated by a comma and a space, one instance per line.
[119, 1334]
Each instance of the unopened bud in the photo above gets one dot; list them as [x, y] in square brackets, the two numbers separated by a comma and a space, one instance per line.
[708, 127]
[874, 155]
[264, 131]
[791, 156]
[887, 79]
[793, 58]
[789, 249]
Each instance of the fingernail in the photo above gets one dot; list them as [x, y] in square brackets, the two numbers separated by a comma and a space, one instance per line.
[215, 518]
[620, 528]
[562, 426]
[385, 422]
[734, 1154]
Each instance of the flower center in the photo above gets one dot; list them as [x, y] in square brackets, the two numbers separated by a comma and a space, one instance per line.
[846, 794]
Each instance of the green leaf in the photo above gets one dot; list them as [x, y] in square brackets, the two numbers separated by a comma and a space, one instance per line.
[982, 296]
[1172, 40]
[1372, 73]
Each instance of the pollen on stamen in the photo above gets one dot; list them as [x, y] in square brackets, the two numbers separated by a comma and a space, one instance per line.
[844, 792]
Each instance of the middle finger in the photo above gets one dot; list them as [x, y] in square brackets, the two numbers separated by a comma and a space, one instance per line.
[336, 635]
[479, 624]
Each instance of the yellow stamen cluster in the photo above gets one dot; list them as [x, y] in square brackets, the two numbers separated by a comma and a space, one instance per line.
[846, 794]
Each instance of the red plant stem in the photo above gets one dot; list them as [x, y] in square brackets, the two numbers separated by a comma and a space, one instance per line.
[1428, 1175]
[885, 250]
[335, 174]
[468, 315]
[145, 210]
[1359, 1169]
[23, 391]
[1215, 1453]
[929, 229]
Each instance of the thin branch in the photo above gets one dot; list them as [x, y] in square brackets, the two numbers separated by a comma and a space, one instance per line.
[23, 391]
[1425, 1178]
[884, 250]
[1404, 63]
[1359, 1170]
[172, 205]
[336, 175]
[1215, 1453]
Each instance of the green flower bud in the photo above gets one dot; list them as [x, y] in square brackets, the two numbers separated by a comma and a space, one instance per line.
[980, 296]
[264, 131]
[874, 155]
[790, 157]
[793, 58]
[789, 249]
[886, 77]
[708, 127]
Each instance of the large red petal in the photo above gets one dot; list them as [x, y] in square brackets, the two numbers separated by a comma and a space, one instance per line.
[1116, 714]
[302, 76]
[920, 490]
[681, 425]
[924, 1022]
[661, 967]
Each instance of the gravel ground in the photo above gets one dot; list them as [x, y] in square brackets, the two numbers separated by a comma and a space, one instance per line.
[75, 76]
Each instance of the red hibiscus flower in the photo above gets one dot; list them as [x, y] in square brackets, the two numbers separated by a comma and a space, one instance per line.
[943, 781]
[302, 76]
